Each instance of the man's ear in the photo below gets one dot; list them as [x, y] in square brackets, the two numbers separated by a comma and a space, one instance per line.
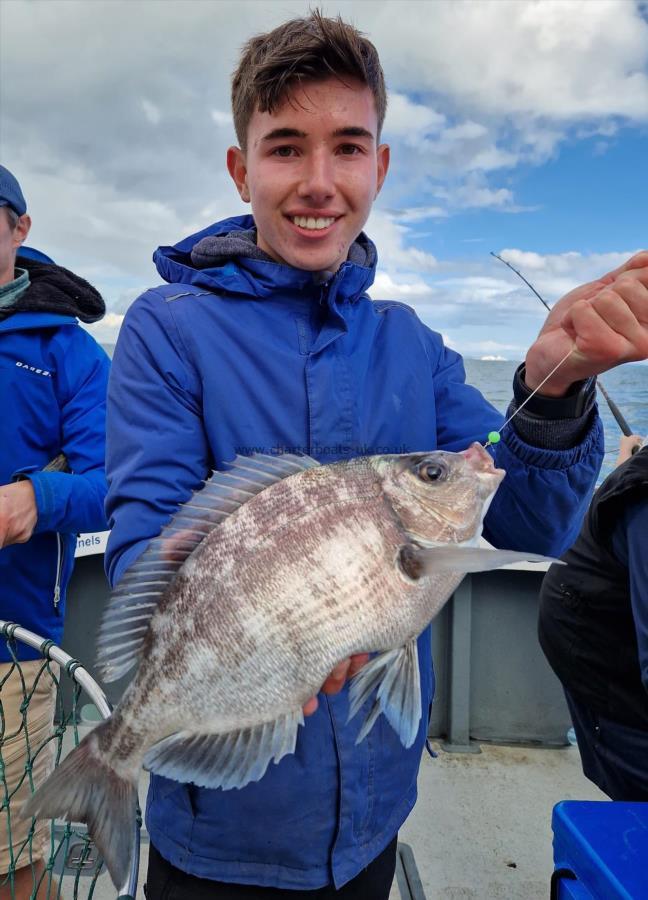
[237, 168]
[20, 232]
[382, 161]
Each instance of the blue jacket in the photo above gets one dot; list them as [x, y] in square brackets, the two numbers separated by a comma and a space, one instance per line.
[248, 354]
[53, 380]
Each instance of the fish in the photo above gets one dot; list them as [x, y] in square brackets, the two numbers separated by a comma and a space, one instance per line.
[273, 572]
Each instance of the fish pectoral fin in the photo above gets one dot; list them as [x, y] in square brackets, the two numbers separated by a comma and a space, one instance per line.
[228, 760]
[395, 677]
[449, 558]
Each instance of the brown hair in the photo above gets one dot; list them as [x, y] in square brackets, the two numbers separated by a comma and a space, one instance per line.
[310, 49]
[12, 217]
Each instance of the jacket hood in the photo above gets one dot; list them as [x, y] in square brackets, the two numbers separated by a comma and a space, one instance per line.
[225, 257]
[56, 290]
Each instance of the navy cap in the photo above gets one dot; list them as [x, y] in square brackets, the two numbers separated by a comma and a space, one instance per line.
[10, 193]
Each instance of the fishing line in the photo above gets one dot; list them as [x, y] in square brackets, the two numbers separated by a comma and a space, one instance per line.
[494, 436]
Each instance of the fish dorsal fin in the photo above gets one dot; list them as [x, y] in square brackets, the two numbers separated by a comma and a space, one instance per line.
[396, 680]
[135, 599]
[229, 760]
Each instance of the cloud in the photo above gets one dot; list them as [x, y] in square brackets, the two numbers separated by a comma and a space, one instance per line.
[417, 213]
[467, 299]
[222, 118]
[119, 129]
[473, 194]
[409, 120]
[553, 275]
[107, 330]
[392, 237]
[561, 62]
[386, 288]
[475, 87]
[468, 146]
[512, 79]
[151, 112]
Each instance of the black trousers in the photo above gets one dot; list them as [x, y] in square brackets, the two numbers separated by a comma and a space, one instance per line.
[614, 756]
[165, 882]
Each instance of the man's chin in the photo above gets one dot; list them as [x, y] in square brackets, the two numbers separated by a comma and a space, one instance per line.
[312, 263]
[306, 259]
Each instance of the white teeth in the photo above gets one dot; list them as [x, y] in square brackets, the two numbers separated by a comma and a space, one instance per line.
[311, 223]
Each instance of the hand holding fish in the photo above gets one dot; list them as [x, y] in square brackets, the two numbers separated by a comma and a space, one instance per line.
[335, 682]
[18, 513]
[604, 323]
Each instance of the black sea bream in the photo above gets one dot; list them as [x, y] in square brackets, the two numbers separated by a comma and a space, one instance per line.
[274, 572]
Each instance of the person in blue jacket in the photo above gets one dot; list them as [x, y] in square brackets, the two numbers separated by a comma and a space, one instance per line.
[53, 381]
[264, 340]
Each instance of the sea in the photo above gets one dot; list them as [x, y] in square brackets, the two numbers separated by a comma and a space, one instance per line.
[626, 385]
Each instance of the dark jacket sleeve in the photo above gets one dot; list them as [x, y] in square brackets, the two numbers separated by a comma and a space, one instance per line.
[74, 502]
[541, 502]
[153, 403]
[630, 546]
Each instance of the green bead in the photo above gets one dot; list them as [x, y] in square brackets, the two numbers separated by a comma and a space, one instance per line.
[493, 437]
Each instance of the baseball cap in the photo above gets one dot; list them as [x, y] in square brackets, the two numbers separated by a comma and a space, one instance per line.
[10, 193]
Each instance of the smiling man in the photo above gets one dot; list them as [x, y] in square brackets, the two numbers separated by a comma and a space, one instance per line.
[265, 340]
[312, 169]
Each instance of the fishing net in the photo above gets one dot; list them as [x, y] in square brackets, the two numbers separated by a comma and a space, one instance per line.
[59, 862]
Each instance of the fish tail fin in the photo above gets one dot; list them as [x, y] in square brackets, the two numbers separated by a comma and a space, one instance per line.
[86, 788]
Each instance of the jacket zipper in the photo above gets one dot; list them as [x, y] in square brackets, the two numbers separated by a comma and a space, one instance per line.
[59, 571]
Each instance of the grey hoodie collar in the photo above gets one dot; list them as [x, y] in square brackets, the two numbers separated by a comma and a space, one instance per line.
[11, 292]
[216, 250]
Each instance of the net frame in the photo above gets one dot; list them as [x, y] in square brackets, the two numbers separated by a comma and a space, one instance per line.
[63, 720]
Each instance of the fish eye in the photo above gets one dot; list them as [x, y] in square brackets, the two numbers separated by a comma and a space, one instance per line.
[432, 471]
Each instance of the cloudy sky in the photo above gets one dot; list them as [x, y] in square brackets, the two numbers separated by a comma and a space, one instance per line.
[519, 127]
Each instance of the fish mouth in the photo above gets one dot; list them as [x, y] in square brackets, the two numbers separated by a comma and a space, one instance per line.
[480, 460]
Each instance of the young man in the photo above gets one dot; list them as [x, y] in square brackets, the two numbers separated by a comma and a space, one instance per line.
[53, 380]
[265, 340]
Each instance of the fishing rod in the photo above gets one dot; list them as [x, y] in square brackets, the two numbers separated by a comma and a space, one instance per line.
[614, 409]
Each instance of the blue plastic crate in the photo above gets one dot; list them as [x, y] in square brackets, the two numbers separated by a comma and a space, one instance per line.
[600, 850]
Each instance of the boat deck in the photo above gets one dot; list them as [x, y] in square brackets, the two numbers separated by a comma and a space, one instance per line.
[481, 829]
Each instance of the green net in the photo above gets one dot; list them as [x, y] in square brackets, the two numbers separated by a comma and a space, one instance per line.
[44, 713]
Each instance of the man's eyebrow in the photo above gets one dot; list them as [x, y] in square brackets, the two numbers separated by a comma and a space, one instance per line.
[353, 131]
[277, 133]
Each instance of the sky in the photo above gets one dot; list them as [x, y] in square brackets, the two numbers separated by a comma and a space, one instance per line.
[516, 127]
